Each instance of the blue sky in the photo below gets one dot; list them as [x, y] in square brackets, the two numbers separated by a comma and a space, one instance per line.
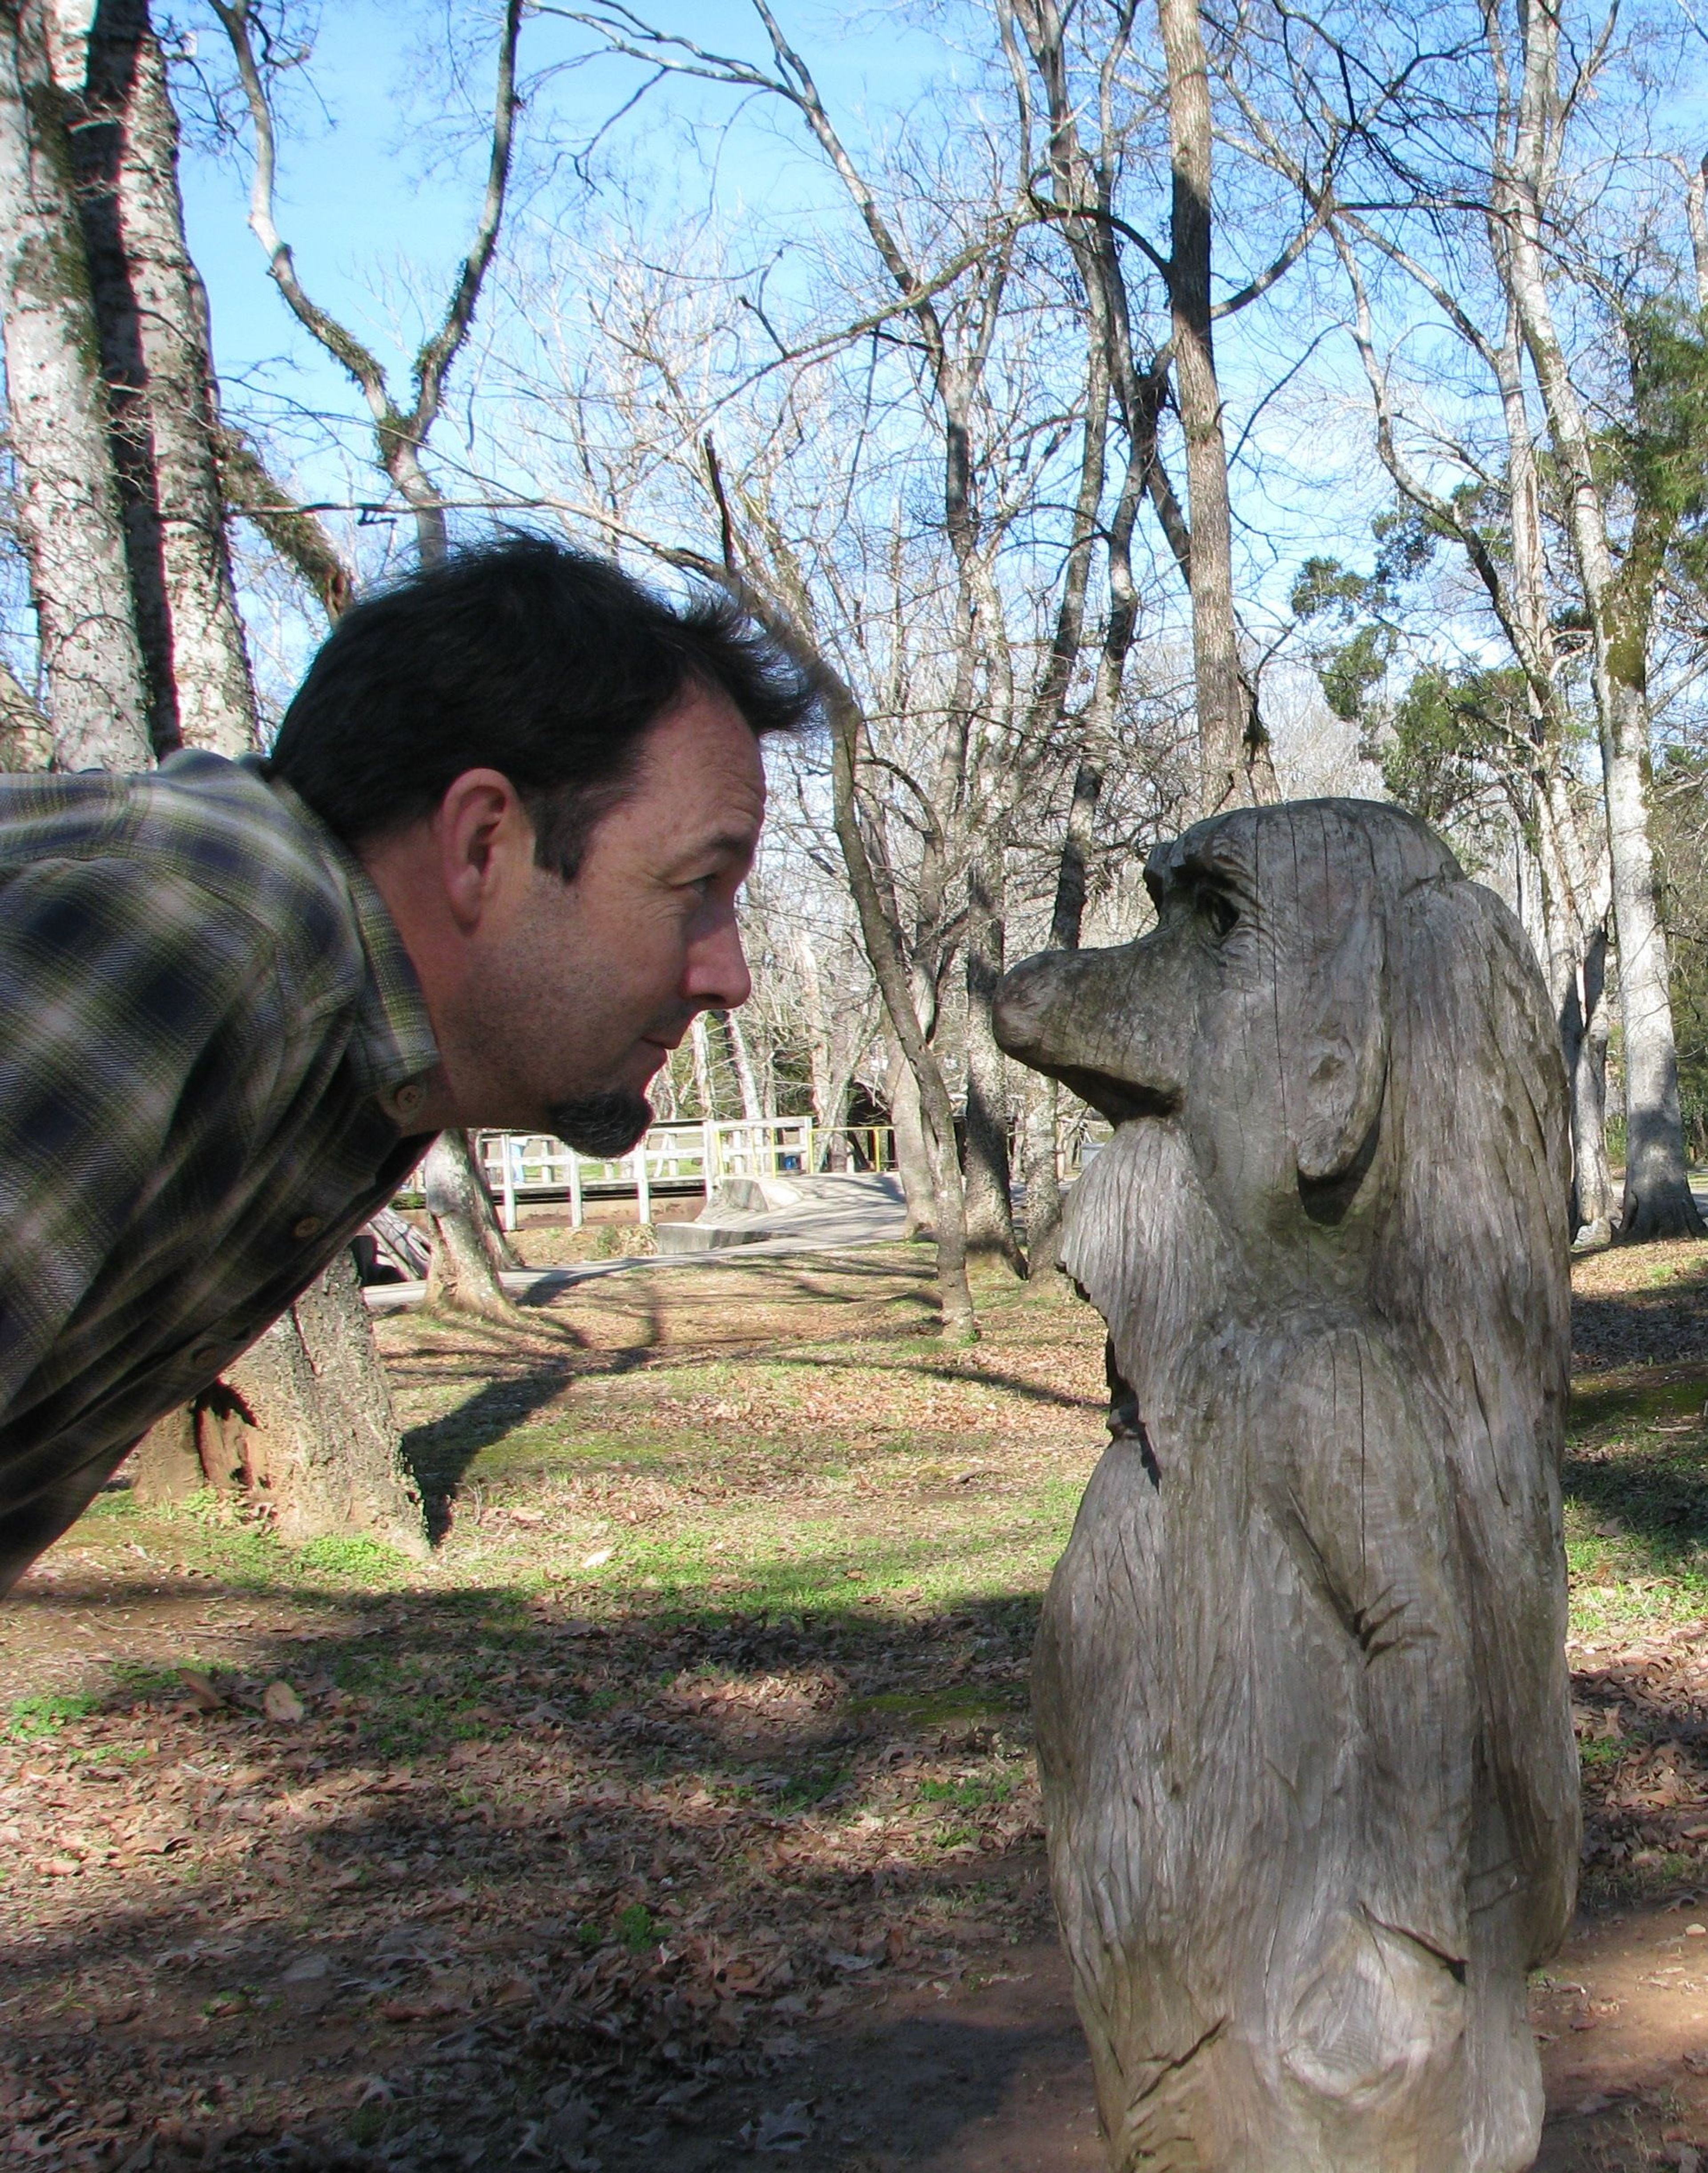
[383, 159]
[372, 173]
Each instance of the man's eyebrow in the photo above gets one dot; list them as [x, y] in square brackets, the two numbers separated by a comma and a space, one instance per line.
[738, 844]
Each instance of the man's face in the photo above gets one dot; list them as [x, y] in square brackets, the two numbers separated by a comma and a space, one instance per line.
[586, 986]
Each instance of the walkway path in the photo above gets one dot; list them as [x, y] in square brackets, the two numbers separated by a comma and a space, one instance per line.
[820, 1214]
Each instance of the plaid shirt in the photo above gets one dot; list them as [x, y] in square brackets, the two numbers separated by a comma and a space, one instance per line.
[212, 1037]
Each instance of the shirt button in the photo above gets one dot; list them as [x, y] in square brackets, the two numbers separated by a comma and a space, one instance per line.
[205, 1352]
[307, 1226]
[406, 1101]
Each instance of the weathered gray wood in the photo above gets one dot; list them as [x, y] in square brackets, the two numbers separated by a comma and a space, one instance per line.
[1303, 1714]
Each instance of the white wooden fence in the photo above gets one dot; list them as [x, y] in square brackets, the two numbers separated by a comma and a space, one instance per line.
[521, 1166]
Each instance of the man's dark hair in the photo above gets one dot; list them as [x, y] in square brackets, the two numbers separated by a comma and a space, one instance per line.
[521, 655]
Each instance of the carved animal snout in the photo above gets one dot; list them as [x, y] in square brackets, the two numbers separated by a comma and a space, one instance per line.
[1113, 1025]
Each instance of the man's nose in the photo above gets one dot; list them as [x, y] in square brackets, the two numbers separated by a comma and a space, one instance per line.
[718, 978]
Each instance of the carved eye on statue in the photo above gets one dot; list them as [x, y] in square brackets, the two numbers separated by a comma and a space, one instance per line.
[1218, 909]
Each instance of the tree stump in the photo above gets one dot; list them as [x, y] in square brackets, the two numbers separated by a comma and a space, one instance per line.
[164, 1465]
[1304, 1723]
[305, 1418]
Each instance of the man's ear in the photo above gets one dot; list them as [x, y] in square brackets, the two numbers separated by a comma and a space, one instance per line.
[1340, 1069]
[481, 826]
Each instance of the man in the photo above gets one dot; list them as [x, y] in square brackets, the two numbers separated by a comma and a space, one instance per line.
[488, 876]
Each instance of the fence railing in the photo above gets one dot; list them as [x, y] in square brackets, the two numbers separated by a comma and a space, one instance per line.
[678, 1158]
[672, 1157]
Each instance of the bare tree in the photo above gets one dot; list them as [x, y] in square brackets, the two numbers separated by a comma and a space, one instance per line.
[985, 657]
[1510, 568]
[68, 514]
[1657, 1198]
[333, 1458]
[1237, 767]
[152, 316]
[1460, 152]
[469, 1250]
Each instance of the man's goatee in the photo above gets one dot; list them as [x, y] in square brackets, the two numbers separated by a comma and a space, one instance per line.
[603, 1125]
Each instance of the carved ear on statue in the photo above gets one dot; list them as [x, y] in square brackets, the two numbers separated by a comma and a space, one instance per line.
[1342, 1053]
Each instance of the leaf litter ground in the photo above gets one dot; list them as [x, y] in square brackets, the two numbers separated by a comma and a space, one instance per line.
[681, 1813]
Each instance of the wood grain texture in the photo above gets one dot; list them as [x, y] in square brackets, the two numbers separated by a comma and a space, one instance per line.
[1304, 1725]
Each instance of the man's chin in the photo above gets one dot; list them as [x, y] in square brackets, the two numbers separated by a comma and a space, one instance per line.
[602, 1124]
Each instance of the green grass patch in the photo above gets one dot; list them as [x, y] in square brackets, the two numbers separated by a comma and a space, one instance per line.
[353, 1560]
[45, 1713]
[973, 1793]
[939, 1708]
[636, 1928]
[801, 1791]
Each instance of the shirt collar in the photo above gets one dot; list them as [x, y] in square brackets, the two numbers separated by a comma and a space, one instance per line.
[394, 1039]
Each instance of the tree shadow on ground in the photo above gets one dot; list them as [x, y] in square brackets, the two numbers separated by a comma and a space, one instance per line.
[439, 1452]
[513, 1381]
[1665, 1324]
[511, 1859]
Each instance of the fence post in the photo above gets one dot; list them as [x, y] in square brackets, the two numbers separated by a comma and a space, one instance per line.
[575, 1212]
[508, 1151]
[643, 1194]
[709, 1154]
[806, 1164]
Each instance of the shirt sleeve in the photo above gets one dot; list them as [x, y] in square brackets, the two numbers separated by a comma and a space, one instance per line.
[118, 983]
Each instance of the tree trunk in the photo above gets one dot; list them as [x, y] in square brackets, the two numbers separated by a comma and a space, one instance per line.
[702, 1067]
[1658, 1201]
[830, 1117]
[752, 1101]
[143, 314]
[1041, 1170]
[315, 1430]
[1584, 1036]
[818, 1033]
[67, 501]
[912, 1162]
[154, 327]
[152, 313]
[989, 1194]
[165, 1465]
[467, 1259]
[1043, 1183]
[26, 738]
[1233, 748]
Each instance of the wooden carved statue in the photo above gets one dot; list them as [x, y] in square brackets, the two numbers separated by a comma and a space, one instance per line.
[1303, 1716]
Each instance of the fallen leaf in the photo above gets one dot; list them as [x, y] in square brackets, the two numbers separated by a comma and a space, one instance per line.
[1594, 2103]
[788, 2129]
[598, 1559]
[279, 1701]
[201, 1690]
